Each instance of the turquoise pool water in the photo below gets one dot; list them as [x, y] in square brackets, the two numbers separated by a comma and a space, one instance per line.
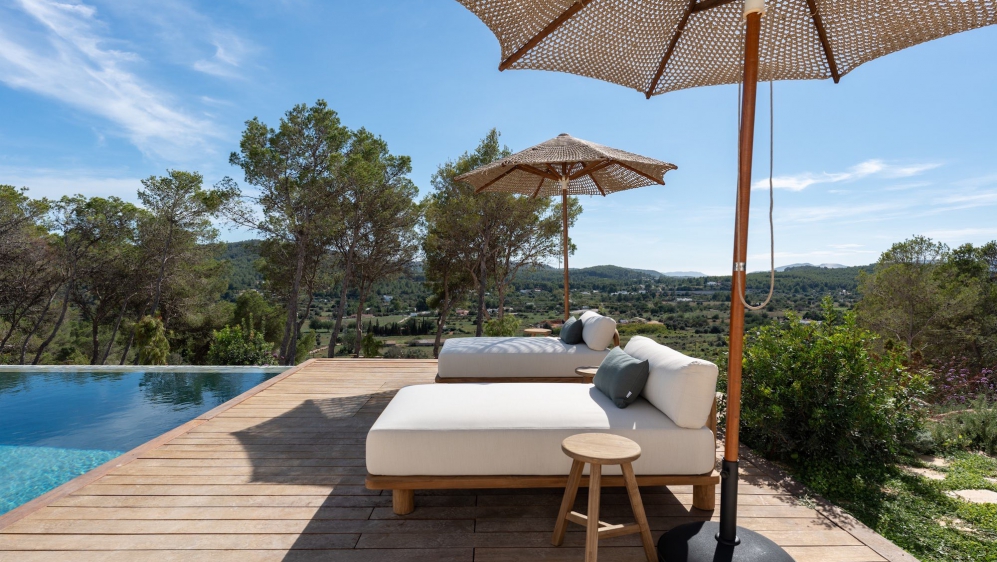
[58, 424]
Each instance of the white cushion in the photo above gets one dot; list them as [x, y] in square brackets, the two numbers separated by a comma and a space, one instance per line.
[517, 429]
[597, 330]
[682, 387]
[588, 314]
[514, 357]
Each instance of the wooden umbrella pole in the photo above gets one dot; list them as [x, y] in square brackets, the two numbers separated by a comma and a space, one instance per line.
[728, 504]
[564, 220]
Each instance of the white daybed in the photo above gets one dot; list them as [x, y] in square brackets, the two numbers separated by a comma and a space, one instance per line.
[518, 359]
[508, 435]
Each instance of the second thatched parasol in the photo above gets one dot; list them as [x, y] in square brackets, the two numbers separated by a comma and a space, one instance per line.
[568, 166]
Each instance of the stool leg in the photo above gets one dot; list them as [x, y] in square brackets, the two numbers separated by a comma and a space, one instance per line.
[570, 492]
[592, 529]
[638, 506]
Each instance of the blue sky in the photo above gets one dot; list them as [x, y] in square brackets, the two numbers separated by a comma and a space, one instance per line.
[95, 95]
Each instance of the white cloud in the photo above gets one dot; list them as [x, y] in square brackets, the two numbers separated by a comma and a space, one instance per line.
[847, 213]
[969, 200]
[227, 60]
[65, 54]
[53, 184]
[960, 235]
[869, 168]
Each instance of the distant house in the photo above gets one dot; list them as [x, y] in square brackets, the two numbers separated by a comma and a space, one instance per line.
[683, 299]
[387, 298]
[462, 312]
[524, 291]
[712, 284]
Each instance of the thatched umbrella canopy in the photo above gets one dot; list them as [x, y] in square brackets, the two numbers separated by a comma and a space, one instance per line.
[565, 166]
[658, 46]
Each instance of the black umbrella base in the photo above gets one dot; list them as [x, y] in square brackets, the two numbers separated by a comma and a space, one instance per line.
[696, 542]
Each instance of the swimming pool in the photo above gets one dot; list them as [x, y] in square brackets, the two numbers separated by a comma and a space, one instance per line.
[57, 423]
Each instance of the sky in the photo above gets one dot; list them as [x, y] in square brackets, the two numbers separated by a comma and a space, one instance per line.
[96, 95]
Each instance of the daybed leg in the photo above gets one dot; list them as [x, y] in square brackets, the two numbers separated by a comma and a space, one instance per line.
[704, 497]
[403, 501]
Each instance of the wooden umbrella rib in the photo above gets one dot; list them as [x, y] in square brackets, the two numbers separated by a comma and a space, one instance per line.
[538, 172]
[671, 48]
[539, 187]
[551, 28]
[599, 187]
[500, 176]
[824, 42]
[640, 173]
[589, 168]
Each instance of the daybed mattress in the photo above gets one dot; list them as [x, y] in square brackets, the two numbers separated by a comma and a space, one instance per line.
[515, 357]
[517, 429]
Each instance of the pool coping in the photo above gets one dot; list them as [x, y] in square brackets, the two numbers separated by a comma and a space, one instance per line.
[99, 472]
[138, 368]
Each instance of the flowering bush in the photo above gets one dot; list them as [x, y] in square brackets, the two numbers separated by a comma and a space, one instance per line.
[957, 382]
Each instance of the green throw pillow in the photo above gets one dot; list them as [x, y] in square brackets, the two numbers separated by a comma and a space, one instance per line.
[571, 331]
[621, 377]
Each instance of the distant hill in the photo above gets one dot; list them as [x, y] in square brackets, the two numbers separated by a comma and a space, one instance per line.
[242, 273]
[683, 274]
[823, 266]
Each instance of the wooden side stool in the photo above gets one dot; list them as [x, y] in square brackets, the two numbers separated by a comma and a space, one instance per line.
[598, 449]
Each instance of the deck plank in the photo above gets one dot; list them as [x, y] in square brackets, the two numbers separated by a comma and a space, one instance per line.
[277, 475]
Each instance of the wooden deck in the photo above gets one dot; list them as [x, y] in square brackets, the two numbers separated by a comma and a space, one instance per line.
[277, 474]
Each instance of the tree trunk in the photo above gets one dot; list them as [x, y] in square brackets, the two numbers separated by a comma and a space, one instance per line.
[292, 306]
[162, 269]
[501, 288]
[341, 309]
[308, 308]
[95, 339]
[38, 323]
[131, 337]
[363, 297]
[479, 326]
[444, 311]
[114, 333]
[58, 323]
[15, 320]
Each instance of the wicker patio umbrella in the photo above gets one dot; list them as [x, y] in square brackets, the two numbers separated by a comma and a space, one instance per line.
[566, 166]
[658, 46]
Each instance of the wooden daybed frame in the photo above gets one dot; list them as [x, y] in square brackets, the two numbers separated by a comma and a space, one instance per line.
[583, 379]
[403, 487]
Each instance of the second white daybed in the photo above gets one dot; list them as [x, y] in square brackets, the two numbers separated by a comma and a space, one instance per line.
[509, 434]
[520, 359]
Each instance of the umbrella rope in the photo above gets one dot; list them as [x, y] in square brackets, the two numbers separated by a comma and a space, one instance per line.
[741, 294]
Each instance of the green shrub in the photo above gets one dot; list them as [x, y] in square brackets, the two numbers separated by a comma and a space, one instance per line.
[370, 346]
[405, 353]
[641, 329]
[306, 343]
[509, 325]
[234, 346]
[817, 395]
[150, 337]
[974, 429]
[347, 341]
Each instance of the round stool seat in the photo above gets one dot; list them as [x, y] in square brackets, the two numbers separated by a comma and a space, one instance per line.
[600, 448]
